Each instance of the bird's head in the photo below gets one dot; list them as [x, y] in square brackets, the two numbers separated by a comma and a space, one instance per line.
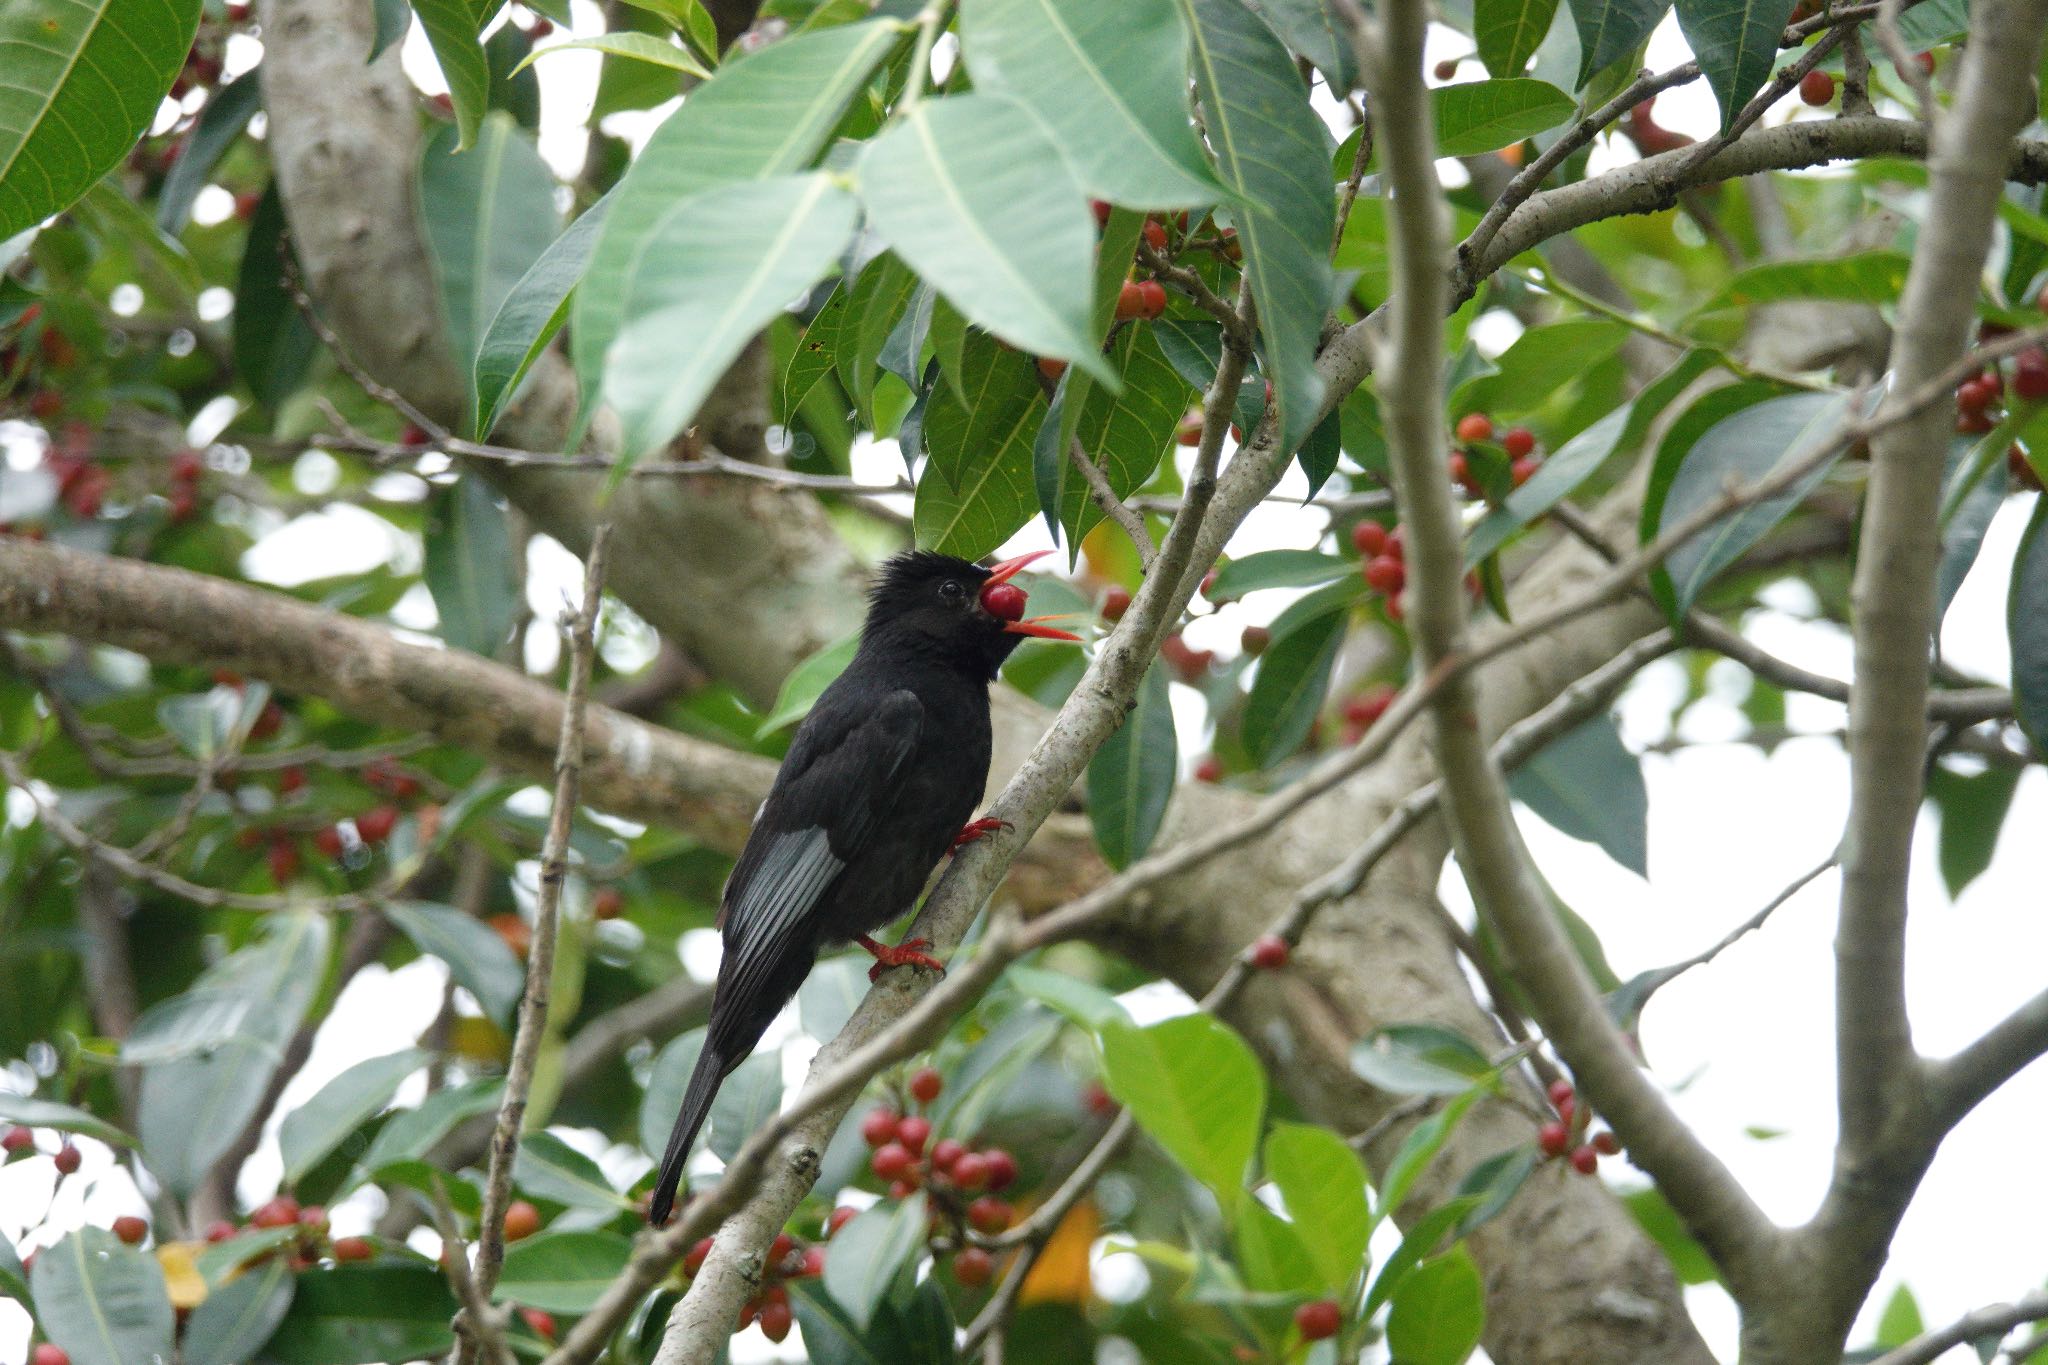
[971, 614]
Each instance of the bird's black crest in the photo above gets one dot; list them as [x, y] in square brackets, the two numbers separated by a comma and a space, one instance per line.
[906, 579]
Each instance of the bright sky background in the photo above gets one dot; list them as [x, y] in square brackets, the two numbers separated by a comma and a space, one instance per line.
[1746, 1043]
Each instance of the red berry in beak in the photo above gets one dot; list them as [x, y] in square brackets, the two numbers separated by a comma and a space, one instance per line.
[1004, 601]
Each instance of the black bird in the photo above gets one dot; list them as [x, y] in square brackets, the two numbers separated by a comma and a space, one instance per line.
[878, 785]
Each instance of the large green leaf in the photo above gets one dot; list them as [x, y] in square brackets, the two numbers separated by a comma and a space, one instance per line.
[31, 1112]
[1483, 116]
[363, 1314]
[749, 1098]
[1611, 29]
[710, 274]
[1111, 83]
[2027, 627]
[1509, 32]
[478, 959]
[470, 567]
[1874, 278]
[867, 1253]
[1323, 1182]
[1131, 777]
[1736, 45]
[1274, 1253]
[1418, 1059]
[1315, 30]
[226, 114]
[551, 1169]
[764, 114]
[343, 1105]
[273, 342]
[236, 1318]
[562, 1272]
[84, 80]
[1527, 375]
[977, 198]
[666, 1082]
[489, 216]
[1196, 1088]
[452, 28]
[1127, 431]
[1273, 151]
[1973, 808]
[1277, 569]
[878, 300]
[1742, 448]
[1439, 1312]
[102, 1301]
[1588, 785]
[411, 1133]
[1288, 690]
[528, 318]
[976, 489]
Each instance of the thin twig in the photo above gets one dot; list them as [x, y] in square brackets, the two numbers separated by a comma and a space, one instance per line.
[477, 1323]
[1894, 45]
[540, 963]
[1660, 977]
[1999, 1318]
[1235, 329]
[1112, 506]
[1347, 193]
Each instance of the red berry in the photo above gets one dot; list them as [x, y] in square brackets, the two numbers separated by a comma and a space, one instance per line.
[542, 27]
[775, 1321]
[1189, 432]
[1447, 69]
[131, 1229]
[1155, 234]
[67, 1159]
[284, 860]
[1318, 1320]
[841, 1216]
[693, 1261]
[970, 1172]
[1386, 574]
[18, 1139]
[1522, 470]
[2023, 474]
[904, 1188]
[814, 1262]
[1255, 640]
[1100, 208]
[1130, 301]
[878, 1127]
[1269, 952]
[1518, 442]
[353, 1249]
[1368, 706]
[291, 780]
[1568, 1110]
[1151, 298]
[1475, 426]
[989, 1215]
[1098, 1099]
[1115, 602]
[1816, 88]
[327, 841]
[374, 825]
[219, 1230]
[1369, 538]
[913, 1132]
[442, 105]
[1974, 423]
[1553, 1137]
[779, 1249]
[1606, 1143]
[313, 1216]
[1209, 769]
[1004, 601]
[1208, 582]
[186, 466]
[246, 203]
[1925, 61]
[926, 1083]
[1560, 1092]
[522, 1220]
[973, 1267]
[892, 1161]
[1052, 369]
[2030, 376]
[542, 1322]
[1585, 1160]
[49, 1353]
[1002, 1168]
[945, 1152]
[607, 903]
[281, 1212]
[1461, 472]
[268, 721]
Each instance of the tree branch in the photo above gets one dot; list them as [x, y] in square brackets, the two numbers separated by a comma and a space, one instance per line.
[1998, 1319]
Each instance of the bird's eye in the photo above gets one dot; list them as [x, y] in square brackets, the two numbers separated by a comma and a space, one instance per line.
[950, 589]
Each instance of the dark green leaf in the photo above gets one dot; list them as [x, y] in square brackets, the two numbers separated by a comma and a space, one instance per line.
[343, 1105]
[1439, 1312]
[1278, 569]
[394, 17]
[273, 342]
[364, 1314]
[1195, 1087]
[1420, 1240]
[1323, 1182]
[2026, 623]
[1418, 1059]
[977, 489]
[562, 1272]
[666, 1083]
[1588, 785]
[749, 1098]
[1611, 29]
[226, 114]
[551, 1169]
[411, 1133]
[470, 568]
[1124, 432]
[102, 1300]
[816, 354]
[1494, 1182]
[235, 1320]
[1967, 511]
[1110, 81]
[528, 318]
[31, 1112]
[879, 298]
[1288, 689]
[1274, 152]
[83, 82]
[1131, 777]
[1873, 278]
[1319, 451]
[452, 29]
[867, 1253]
[1484, 116]
[1510, 31]
[1736, 45]
[1313, 29]
[1973, 809]
[477, 957]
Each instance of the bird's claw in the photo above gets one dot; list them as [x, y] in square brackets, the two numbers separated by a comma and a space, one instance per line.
[975, 829]
[904, 954]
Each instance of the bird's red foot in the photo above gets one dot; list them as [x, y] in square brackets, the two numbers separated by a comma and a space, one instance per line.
[974, 829]
[904, 954]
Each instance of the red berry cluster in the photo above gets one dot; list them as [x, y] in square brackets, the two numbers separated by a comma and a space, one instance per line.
[20, 1141]
[1382, 562]
[961, 1181]
[788, 1259]
[1982, 399]
[1139, 300]
[1517, 443]
[1565, 1136]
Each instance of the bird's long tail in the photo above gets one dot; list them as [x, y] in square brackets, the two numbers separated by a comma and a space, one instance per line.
[704, 1080]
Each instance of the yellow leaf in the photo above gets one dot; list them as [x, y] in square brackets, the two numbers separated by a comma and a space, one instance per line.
[478, 1039]
[180, 1262]
[1061, 1275]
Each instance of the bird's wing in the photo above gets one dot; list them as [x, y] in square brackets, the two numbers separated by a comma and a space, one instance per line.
[838, 781]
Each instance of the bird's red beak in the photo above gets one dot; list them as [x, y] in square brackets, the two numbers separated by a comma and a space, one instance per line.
[1030, 625]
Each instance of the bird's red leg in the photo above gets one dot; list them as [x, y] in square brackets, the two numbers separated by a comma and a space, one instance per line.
[904, 954]
[974, 829]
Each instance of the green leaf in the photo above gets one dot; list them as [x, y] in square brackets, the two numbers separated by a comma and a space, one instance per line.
[976, 489]
[1736, 45]
[1273, 1253]
[186, 1024]
[343, 1105]
[1484, 116]
[532, 312]
[102, 1301]
[830, 995]
[1313, 29]
[879, 297]
[1974, 488]
[477, 957]
[1196, 1088]
[1510, 31]
[1439, 1312]
[710, 273]
[1273, 150]
[1656, 1217]
[1419, 1059]
[1741, 449]
[234, 1321]
[807, 682]
[411, 1133]
[469, 567]
[1323, 1182]
[1131, 777]
[562, 1272]
[31, 1112]
[363, 1314]
[1527, 376]
[1110, 81]
[1901, 1321]
[1494, 1182]
[489, 216]
[1288, 689]
[764, 114]
[2026, 627]
[452, 29]
[1973, 808]
[1124, 432]
[1873, 278]
[1278, 569]
[83, 82]
[815, 356]
[1587, 784]
[1084, 1002]
[638, 47]
[749, 1098]
[550, 1168]
[974, 195]
[666, 1082]
[273, 342]
[1421, 1239]
[226, 114]
[394, 17]
[867, 1253]
[1611, 29]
